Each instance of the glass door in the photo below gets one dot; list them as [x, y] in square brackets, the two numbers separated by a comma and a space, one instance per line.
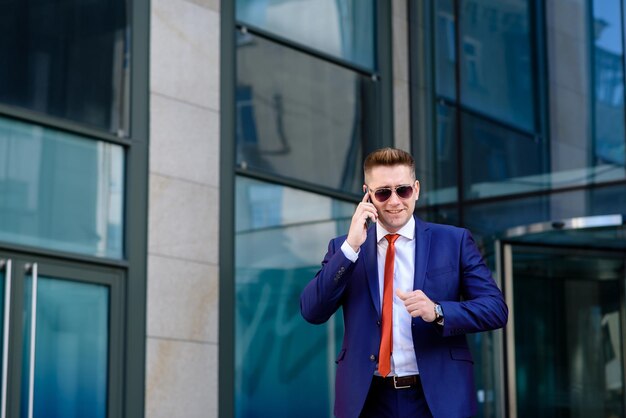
[565, 338]
[64, 338]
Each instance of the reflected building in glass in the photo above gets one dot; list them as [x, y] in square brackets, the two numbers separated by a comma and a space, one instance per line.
[171, 173]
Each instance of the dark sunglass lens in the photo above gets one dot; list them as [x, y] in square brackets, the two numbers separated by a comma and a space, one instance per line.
[382, 194]
[404, 191]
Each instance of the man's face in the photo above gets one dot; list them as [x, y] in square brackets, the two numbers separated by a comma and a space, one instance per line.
[394, 212]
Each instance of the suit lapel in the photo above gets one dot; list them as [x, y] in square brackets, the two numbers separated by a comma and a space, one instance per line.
[422, 251]
[371, 266]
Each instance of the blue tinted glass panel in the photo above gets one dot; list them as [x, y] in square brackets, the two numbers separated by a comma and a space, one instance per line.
[496, 62]
[498, 160]
[609, 139]
[343, 28]
[68, 59]
[300, 117]
[60, 191]
[445, 48]
[284, 365]
[71, 349]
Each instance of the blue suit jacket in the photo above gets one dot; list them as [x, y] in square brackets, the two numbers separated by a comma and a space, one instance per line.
[450, 270]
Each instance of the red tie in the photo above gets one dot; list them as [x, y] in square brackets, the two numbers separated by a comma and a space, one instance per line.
[386, 343]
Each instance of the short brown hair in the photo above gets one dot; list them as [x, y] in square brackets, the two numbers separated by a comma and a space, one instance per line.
[389, 157]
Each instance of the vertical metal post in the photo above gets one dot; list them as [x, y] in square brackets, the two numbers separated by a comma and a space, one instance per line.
[6, 266]
[33, 329]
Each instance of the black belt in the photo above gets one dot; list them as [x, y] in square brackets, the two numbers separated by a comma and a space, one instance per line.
[400, 382]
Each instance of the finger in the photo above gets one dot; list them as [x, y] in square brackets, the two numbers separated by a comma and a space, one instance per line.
[402, 295]
[366, 197]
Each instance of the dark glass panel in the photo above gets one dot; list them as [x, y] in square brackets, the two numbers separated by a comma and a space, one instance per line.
[67, 58]
[445, 49]
[342, 28]
[568, 336]
[438, 171]
[300, 117]
[496, 61]
[498, 160]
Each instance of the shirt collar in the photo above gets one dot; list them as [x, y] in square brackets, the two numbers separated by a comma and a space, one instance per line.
[407, 231]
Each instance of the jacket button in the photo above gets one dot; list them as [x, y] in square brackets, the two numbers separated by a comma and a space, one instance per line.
[372, 357]
[378, 322]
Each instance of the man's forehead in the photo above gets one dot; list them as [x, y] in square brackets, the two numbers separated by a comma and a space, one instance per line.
[390, 175]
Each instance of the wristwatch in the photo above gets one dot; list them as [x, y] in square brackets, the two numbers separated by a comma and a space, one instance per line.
[438, 314]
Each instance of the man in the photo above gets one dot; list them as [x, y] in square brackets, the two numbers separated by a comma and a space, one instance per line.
[410, 291]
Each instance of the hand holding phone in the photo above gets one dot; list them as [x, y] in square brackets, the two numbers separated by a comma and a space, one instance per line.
[364, 214]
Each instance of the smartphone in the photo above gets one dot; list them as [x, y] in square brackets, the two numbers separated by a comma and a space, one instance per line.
[368, 221]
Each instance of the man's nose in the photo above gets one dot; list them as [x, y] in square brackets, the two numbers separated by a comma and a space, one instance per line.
[394, 199]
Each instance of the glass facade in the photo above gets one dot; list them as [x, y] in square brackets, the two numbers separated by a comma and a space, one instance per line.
[60, 191]
[280, 237]
[342, 28]
[295, 110]
[68, 59]
[525, 126]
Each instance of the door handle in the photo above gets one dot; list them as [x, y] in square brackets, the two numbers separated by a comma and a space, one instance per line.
[6, 266]
[32, 269]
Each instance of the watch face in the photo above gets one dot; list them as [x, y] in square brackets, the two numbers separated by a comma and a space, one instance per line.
[438, 310]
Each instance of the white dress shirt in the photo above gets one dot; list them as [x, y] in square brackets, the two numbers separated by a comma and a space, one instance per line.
[403, 361]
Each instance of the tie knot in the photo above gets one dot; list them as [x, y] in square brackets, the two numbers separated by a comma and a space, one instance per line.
[392, 238]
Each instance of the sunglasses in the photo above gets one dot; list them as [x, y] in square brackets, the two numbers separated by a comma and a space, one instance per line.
[403, 191]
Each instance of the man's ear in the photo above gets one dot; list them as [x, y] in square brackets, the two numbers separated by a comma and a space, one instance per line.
[417, 189]
[364, 188]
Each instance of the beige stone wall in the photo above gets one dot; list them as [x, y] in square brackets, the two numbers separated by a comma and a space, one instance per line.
[401, 109]
[182, 311]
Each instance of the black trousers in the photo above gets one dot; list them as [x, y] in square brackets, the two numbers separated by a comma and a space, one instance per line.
[385, 401]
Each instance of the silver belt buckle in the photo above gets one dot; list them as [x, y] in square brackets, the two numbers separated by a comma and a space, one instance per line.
[395, 384]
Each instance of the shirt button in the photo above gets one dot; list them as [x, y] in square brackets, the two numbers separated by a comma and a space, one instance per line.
[372, 357]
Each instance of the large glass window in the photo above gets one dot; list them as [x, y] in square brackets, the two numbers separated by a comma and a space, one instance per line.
[68, 59]
[342, 28]
[281, 237]
[496, 63]
[60, 191]
[300, 117]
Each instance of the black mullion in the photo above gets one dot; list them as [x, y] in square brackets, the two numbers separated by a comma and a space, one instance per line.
[458, 114]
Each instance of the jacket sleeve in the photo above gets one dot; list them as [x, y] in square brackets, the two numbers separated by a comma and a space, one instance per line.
[482, 307]
[321, 298]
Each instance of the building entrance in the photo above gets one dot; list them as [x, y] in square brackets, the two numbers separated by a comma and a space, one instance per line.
[564, 344]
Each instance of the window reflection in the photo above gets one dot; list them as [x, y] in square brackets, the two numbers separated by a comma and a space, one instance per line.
[496, 64]
[300, 117]
[342, 28]
[281, 237]
[60, 191]
[69, 59]
[608, 53]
